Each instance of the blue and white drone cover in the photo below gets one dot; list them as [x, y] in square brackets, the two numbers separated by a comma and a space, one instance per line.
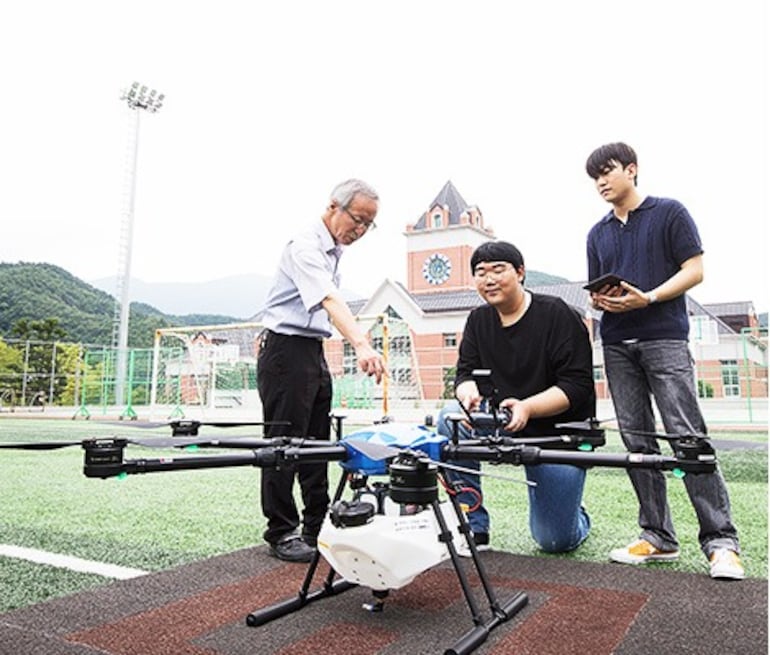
[396, 435]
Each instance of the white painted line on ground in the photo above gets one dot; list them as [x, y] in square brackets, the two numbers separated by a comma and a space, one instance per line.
[72, 563]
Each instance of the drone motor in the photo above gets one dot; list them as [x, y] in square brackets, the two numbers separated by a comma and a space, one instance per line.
[103, 457]
[413, 480]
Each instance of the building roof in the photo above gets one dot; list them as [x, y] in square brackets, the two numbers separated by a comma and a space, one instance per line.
[435, 302]
[573, 293]
[447, 301]
[448, 197]
[737, 308]
[694, 308]
[356, 305]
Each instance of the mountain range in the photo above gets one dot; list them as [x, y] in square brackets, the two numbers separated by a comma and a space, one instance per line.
[37, 296]
[237, 295]
[86, 310]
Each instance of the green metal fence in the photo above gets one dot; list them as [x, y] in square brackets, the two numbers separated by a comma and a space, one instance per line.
[34, 376]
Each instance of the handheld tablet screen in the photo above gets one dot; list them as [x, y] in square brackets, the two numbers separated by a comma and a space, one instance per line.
[610, 279]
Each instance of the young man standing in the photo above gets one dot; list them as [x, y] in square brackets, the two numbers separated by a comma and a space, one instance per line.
[292, 376]
[653, 245]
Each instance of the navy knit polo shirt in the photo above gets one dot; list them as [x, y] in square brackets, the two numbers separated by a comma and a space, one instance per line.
[658, 237]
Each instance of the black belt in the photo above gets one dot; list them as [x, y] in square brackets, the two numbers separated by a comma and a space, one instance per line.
[267, 333]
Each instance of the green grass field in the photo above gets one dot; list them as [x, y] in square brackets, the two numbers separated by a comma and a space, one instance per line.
[156, 521]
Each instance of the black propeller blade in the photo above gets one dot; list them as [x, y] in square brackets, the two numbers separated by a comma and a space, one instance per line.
[236, 442]
[666, 436]
[587, 424]
[41, 445]
[190, 427]
[250, 443]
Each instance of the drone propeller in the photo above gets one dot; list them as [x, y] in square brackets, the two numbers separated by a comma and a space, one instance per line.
[235, 442]
[190, 427]
[153, 442]
[665, 435]
[41, 445]
[586, 424]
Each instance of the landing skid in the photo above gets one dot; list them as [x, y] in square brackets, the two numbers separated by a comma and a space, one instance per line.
[498, 612]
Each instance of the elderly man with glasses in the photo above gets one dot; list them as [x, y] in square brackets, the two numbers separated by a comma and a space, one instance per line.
[538, 351]
[292, 375]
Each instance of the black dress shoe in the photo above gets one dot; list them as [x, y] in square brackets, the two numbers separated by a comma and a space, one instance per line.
[292, 549]
[310, 540]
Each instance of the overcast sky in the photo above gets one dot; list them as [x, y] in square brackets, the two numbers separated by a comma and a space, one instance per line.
[270, 104]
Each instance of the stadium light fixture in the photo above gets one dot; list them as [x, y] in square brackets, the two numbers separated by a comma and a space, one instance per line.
[137, 97]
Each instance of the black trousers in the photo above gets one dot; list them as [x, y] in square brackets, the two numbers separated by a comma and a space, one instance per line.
[294, 385]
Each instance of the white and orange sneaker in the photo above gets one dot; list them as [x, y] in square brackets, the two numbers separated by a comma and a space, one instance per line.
[726, 564]
[642, 551]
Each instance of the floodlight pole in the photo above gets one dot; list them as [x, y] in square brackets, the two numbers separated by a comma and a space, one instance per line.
[137, 97]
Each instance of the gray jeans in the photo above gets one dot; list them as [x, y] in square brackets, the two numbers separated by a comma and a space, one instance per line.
[663, 370]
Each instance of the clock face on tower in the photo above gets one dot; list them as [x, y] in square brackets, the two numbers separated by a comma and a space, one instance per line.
[437, 268]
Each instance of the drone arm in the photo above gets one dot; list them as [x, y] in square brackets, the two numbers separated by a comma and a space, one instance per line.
[104, 459]
[696, 459]
[690, 456]
[135, 466]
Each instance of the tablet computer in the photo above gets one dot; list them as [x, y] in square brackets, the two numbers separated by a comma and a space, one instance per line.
[610, 279]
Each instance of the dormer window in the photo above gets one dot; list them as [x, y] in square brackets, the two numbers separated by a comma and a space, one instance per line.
[437, 219]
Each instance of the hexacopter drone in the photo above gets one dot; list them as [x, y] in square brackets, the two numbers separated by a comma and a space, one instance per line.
[386, 533]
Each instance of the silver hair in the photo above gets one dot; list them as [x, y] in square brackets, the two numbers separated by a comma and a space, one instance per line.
[344, 192]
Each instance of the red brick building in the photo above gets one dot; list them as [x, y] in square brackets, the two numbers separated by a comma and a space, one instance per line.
[440, 292]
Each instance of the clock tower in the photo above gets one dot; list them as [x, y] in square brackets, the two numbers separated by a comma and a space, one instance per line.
[440, 244]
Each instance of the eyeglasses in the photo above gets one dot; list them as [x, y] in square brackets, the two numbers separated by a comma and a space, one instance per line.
[495, 270]
[360, 222]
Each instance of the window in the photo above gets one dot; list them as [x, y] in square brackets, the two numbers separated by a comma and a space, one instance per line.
[349, 359]
[401, 376]
[598, 373]
[437, 219]
[731, 382]
[450, 340]
[392, 313]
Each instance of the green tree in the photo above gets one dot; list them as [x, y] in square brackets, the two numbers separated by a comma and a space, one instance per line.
[449, 382]
[45, 362]
[47, 329]
[11, 368]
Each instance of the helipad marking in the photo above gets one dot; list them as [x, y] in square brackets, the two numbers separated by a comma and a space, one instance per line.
[71, 563]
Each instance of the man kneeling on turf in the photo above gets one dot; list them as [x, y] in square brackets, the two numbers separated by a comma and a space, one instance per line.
[538, 350]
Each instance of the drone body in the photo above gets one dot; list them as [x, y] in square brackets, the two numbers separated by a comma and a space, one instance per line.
[373, 554]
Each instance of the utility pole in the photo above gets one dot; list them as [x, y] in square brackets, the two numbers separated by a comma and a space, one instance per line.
[138, 97]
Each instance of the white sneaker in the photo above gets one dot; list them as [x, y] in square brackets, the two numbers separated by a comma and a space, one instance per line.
[482, 543]
[725, 563]
[641, 551]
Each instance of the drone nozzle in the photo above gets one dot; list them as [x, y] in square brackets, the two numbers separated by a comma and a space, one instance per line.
[103, 457]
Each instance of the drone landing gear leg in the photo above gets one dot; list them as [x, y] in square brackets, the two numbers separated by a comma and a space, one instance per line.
[304, 597]
[330, 588]
[378, 601]
[499, 613]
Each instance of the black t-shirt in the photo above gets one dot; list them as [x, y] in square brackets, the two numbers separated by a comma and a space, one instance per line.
[548, 346]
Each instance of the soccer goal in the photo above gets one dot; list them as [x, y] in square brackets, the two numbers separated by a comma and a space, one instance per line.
[206, 370]
[211, 371]
[399, 391]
